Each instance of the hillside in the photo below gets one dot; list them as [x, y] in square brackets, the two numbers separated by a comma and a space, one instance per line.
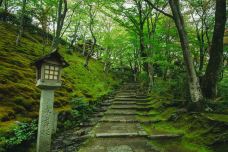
[19, 97]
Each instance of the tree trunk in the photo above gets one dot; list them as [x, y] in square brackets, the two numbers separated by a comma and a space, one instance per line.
[151, 28]
[215, 64]
[141, 37]
[21, 26]
[71, 47]
[194, 86]
[62, 10]
[89, 54]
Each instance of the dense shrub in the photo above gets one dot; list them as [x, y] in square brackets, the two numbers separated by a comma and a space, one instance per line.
[23, 134]
[80, 109]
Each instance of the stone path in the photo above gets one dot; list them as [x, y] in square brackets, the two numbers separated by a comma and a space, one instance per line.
[113, 126]
[119, 130]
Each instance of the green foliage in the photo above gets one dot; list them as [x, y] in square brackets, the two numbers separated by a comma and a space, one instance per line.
[223, 85]
[80, 109]
[202, 132]
[23, 133]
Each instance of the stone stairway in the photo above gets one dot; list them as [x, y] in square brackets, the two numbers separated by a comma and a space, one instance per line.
[119, 130]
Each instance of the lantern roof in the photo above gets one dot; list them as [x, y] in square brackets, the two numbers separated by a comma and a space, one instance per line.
[53, 56]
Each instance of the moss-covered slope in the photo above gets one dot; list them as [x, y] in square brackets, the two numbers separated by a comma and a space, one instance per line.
[204, 131]
[19, 97]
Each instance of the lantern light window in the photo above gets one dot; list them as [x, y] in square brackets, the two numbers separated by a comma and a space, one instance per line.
[51, 72]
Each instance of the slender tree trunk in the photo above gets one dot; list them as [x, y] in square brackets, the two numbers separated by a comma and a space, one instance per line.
[202, 47]
[71, 47]
[141, 36]
[151, 28]
[62, 10]
[214, 67]
[136, 65]
[201, 59]
[107, 60]
[89, 54]
[194, 86]
[21, 26]
[200, 38]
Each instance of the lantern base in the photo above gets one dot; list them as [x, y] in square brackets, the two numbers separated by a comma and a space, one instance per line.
[48, 84]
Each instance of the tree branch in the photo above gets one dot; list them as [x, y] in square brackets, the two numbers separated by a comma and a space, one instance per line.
[159, 10]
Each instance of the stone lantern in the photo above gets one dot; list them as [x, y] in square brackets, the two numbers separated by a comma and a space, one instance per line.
[48, 73]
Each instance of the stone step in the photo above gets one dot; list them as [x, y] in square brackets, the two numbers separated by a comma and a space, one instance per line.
[124, 103]
[121, 112]
[124, 97]
[123, 106]
[131, 103]
[129, 99]
[114, 127]
[122, 121]
[137, 144]
[119, 118]
[116, 135]
[126, 93]
[137, 134]
[136, 107]
[141, 97]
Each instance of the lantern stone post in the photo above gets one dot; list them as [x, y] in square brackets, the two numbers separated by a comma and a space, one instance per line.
[48, 72]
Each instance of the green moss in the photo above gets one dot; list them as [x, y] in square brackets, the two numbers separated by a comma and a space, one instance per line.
[178, 146]
[6, 127]
[163, 128]
[154, 115]
[217, 117]
[201, 132]
[6, 113]
[19, 96]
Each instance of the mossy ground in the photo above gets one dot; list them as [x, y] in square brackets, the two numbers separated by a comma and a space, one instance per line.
[202, 132]
[19, 97]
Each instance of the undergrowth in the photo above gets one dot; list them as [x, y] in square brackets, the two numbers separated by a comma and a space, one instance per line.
[204, 131]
